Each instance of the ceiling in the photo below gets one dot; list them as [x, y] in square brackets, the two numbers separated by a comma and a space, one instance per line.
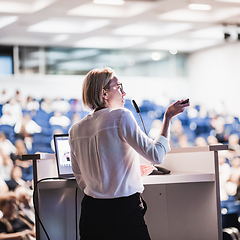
[137, 24]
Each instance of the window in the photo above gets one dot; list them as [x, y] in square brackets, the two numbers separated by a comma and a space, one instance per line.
[6, 60]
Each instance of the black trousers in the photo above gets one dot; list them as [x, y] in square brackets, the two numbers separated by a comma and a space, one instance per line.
[113, 219]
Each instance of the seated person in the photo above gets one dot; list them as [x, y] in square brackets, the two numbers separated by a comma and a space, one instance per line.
[6, 166]
[3, 186]
[26, 166]
[61, 105]
[26, 127]
[14, 224]
[16, 179]
[5, 144]
[31, 104]
[46, 105]
[12, 112]
[25, 203]
[59, 119]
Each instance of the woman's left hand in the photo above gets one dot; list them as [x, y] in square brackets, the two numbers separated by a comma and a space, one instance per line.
[146, 169]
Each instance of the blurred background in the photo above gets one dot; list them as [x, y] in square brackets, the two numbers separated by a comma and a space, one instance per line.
[161, 50]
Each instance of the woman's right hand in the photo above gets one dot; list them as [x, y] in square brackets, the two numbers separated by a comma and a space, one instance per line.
[175, 108]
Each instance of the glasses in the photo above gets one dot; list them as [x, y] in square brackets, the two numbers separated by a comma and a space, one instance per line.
[121, 87]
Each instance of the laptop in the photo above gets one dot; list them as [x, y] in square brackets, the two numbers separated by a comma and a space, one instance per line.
[62, 151]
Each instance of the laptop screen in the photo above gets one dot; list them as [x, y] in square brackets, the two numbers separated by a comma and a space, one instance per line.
[62, 150]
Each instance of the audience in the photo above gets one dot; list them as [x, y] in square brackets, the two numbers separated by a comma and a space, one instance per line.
[19, 98]
[225, 173]
[11, 113]
[25, 202]
[3, 186]
[183, 141]
[34, 123]
[16, 179]
[61, 105]
[155, 129]
[26, 166]
[6, 166]
[212, 140]
[200, 141]
[46, 105]
[31, 104]
[59, 119]
[25, 127]
[14, 224]
[3, 97]
[233, 142]
[6, 145]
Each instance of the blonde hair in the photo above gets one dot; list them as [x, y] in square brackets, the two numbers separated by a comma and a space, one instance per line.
[96, 80]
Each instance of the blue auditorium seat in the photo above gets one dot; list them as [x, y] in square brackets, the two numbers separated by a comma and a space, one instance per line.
[183, 117]
[9, 132]
[42, 118]
[129, 105]
[147, 106]
[232, 128]
[159, 112]
[27, 173]
[47, 131]
[203, 125]
[147, 121]
[1, 109]
[83, 114]
[190, 134]
[41, 147]
[41, 138]
[59, 127]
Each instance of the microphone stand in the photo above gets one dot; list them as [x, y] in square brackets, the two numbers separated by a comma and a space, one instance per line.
[159, 170]
[138, 111]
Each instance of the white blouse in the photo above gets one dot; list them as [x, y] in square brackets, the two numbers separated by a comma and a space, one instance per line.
[105, 148]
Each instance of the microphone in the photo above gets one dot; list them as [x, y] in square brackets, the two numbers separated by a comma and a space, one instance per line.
[138, 111]
[136, 106]
[158, 170]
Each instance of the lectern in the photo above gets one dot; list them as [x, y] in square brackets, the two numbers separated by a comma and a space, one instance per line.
[183, 205]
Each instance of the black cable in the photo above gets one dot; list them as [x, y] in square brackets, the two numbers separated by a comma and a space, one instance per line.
[76, 221]
[35, 187]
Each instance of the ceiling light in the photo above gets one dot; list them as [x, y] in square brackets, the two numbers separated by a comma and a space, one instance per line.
[183, 45]
[110, 11]
[21, 7]
[203, 7]
[68, 25]
[109, 2]
[208, 33]
[173, 51]
[229, 1]
[131, 62]
[109, 42]
[61, 38]
[6, 20]
[155, 56]
[152, 29]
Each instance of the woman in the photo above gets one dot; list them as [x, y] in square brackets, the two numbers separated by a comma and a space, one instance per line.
[14, 225]
[105, 148]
